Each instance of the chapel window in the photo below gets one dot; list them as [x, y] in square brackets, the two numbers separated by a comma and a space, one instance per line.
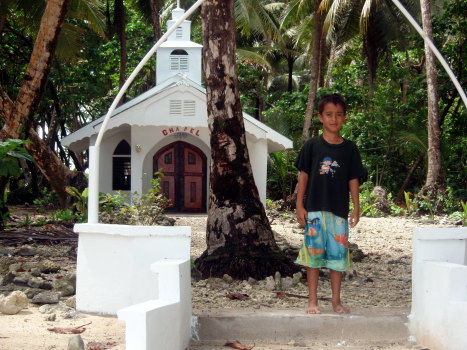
[121, 167]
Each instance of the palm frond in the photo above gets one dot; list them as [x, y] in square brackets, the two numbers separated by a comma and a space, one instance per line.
[70, 42]
[252, 56]
[90, 12]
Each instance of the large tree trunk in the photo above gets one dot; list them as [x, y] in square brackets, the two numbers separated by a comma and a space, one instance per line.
[370, 47]
[16, 113]
[35, 78]
[434, 179]
[332, 58]
[239, 238]
[318, 20]
[155, 19]
[56, 173]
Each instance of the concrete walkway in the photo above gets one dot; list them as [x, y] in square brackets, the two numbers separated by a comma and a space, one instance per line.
[293, 329]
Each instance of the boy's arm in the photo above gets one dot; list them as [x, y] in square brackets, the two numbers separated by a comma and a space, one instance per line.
[301, 212]
[354, 193]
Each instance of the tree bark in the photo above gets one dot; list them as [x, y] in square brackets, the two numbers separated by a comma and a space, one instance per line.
[56, 173]
[318, 20]
[434, 179]
[240, 241]
[121, 33]
[323, 53]
[35, 78]
[16, 113]
[155, 19]
[332, 58]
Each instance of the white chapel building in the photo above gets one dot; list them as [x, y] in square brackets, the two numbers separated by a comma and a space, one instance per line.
[166, 129]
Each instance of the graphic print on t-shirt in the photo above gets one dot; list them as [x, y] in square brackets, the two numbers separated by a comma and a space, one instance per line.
[328, 166]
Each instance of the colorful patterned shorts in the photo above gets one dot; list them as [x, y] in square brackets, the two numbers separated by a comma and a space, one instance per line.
[325, 242]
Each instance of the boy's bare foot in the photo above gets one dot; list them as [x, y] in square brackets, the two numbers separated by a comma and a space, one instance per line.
[312, 309]
[340, 309]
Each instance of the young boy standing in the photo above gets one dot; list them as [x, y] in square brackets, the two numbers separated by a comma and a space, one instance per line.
[329, 169]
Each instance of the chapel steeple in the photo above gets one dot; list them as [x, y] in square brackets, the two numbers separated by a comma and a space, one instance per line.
[179, 54]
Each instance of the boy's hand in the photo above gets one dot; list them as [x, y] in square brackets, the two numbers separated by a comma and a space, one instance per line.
[354, 218]
[301, 215]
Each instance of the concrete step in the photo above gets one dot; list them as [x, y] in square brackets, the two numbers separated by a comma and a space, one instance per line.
[293, 329]
[313, 346]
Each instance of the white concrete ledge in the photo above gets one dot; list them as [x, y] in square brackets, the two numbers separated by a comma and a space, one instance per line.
[439, 288]
[165, 323]
[134, 231]
[113, 264]
[149, 325]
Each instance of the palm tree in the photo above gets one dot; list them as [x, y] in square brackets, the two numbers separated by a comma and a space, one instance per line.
[30, 92]
[435, 182]
[379, 23]
[239, 238]
[15, 112]
[310, 14]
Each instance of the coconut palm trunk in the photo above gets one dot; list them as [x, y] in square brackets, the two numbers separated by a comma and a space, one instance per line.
[318, 21]
[434, 179]
[16, 113]
[240, 241]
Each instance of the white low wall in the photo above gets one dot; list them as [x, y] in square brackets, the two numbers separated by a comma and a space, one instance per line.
[113, 263]
[439, 288]
[165, 323]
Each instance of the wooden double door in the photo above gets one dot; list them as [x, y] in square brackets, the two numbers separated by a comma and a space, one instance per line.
[184, 181]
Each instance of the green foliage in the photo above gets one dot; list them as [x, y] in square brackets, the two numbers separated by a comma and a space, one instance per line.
[367, 201]
[47, 199]
[109, 203]
[62, 215]
[271, 204]
[10, 151]
[287, 114]
[81, 202]
[41, 221]
[147, 208]
[282, 174]
[26, 222]
[410, 205]
[464, 213]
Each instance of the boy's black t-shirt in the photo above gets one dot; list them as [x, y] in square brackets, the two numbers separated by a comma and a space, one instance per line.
[330, 167]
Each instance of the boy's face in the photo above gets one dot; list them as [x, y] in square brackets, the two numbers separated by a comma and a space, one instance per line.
[333, 117]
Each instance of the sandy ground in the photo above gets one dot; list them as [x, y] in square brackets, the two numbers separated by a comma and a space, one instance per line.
[383, 281]
[28, 330]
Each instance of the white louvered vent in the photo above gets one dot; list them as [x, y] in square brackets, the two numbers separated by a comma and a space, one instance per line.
[179, 63]
[186, 108]
[189, 108]
[175, 107]
[174, 63]
[179, 33]
[184, 64]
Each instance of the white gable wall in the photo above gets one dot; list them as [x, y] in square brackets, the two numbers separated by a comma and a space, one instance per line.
[160, 112]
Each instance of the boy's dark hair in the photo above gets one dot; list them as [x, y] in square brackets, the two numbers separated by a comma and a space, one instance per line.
[334, 99]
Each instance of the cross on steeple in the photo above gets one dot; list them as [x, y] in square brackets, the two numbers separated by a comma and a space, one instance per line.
[178, 3]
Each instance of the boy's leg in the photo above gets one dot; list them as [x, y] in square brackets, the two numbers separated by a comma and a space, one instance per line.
[336, 278]
[312, 277]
